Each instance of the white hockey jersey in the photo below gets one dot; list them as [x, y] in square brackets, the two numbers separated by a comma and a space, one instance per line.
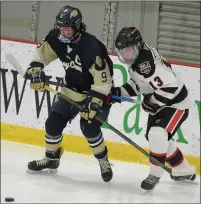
[152, 74]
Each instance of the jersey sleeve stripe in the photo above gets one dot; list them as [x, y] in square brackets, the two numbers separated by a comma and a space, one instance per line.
[129, 89]
[169, 89]
[162, 99]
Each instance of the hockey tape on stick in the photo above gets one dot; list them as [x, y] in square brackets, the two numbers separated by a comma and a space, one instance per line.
[11, 59]
[120, 98]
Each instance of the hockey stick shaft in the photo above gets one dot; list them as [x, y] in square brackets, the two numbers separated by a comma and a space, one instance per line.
[17, 66]
[11, 59]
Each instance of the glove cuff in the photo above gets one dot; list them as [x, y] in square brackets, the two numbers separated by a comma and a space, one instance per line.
[34, 67]
[36, 64]
[116, 91]
[97, 101]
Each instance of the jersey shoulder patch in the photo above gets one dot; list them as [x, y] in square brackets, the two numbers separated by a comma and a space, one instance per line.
[145, 65]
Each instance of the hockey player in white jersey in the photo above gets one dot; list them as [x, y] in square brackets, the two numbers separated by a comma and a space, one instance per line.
[165, 99]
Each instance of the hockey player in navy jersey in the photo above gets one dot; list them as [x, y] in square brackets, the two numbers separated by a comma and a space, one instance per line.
[88, 78]
[165, 98]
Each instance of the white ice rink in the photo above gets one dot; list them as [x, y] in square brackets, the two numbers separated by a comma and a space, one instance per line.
[78, 181]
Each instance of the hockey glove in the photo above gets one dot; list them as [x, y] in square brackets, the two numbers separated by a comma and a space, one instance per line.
[148, 106]
[91, 107]
[116, 91]
[38, 78]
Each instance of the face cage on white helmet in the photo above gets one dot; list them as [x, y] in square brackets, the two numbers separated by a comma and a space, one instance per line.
[128, 61]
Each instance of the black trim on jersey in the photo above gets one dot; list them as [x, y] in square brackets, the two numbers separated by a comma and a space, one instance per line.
[129, 89]
[177, 99]
[181, 96]
[162, 99]
[169, 89]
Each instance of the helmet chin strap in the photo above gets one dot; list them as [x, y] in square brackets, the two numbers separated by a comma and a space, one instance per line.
[64, 39]
[73, 39]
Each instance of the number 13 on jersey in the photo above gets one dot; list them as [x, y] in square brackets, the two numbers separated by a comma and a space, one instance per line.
[156, 83]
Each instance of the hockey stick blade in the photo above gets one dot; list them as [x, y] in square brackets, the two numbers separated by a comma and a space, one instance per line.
[12, 60]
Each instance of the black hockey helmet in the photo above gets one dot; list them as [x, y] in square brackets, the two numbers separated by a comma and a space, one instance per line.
[128, 37]
[69, 17]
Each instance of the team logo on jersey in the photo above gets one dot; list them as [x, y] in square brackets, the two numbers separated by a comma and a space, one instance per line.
[145, 67]
[73, 64]
[99, 61]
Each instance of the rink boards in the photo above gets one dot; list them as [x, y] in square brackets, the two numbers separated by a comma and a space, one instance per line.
[24, 111]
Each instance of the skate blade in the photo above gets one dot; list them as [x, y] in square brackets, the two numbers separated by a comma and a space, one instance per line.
[52, 171]
[185, 181]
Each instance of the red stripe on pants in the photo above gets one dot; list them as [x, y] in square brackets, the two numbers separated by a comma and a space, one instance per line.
[174, 121]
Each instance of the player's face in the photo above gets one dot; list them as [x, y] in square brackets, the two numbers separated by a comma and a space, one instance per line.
[67, 32]
[128, 54]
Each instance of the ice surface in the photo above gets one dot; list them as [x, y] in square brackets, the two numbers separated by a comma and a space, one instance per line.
[78, 181]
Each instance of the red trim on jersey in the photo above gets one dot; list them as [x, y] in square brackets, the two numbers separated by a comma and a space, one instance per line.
[178, 162]
[174, 121]
[173, 155]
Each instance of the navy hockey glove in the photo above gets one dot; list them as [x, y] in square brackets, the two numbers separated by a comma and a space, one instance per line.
[116, 91]
[38, 78]
[91, 107]
[149, 107]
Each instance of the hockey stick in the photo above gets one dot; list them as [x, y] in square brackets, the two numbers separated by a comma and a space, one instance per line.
[174, 172]
[12, 60]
